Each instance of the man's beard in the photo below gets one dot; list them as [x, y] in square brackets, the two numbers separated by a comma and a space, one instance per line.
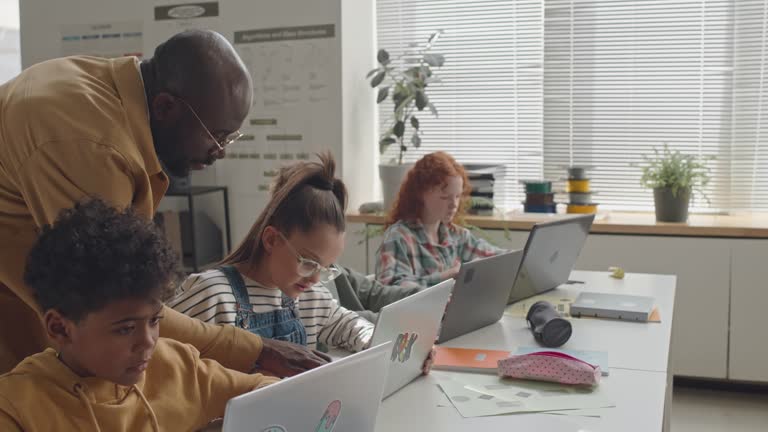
[170, 155]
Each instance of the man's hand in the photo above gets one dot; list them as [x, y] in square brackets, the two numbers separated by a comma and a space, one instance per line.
[286, 359]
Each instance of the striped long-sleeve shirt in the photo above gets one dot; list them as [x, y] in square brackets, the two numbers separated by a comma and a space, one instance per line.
[208, 296]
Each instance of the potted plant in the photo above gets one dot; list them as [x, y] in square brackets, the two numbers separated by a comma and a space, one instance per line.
[674, 177]
[405, 82]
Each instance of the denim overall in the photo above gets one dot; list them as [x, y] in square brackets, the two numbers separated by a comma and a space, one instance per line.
[282, 324]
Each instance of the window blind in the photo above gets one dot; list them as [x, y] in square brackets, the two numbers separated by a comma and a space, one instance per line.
[538, 85]
[622, 77]
[749, 152]
[490, 99]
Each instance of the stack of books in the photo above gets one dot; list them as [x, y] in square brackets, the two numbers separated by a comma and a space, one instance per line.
[482, 179]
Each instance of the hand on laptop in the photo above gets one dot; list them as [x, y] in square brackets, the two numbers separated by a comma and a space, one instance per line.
[452, 272]
[427, 367]
[287, 359]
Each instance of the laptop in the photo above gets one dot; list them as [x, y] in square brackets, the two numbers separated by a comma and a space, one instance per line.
[480, 294]
[412, 324]
[343, 395]
[616, 306]
[550, 254]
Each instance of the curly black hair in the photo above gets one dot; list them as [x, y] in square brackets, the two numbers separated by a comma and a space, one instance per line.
[95, 254]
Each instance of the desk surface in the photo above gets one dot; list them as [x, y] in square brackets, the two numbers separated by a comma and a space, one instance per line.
[752, 225]
[637, 384]
[638, 355]
[639, 397]
[629, 345]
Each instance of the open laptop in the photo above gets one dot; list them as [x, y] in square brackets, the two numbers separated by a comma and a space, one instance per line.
[412, 325]
[343, 395]
[480, 294]
[550, 254]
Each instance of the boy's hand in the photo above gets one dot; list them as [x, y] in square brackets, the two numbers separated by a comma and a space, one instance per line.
[427, 367]
[286, 359]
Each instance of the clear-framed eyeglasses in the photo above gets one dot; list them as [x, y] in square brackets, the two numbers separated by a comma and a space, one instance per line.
[221, 143]
[308, 268]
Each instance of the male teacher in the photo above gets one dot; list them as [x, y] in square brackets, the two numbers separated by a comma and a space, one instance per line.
[84, 126]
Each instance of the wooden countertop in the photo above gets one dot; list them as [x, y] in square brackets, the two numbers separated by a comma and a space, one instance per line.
[747, 225]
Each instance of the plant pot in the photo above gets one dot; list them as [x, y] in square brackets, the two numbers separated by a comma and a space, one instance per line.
[392, 176]
[669, 207]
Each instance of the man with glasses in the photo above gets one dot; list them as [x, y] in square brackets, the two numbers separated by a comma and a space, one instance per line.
[84, 126]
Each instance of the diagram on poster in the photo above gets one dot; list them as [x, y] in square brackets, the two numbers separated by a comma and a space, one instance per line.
[290, 71]
[289, 65]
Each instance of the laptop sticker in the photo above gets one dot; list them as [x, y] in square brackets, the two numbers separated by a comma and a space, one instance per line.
[329, 417]
[401, 349]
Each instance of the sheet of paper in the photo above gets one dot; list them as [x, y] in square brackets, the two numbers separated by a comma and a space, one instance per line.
[442, 399]
[470, 403]
[476, 395]
[597, 358]
[546, 396]
[595, 413]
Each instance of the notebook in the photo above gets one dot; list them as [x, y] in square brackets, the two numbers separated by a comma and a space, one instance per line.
[468, 359]
[617, 306]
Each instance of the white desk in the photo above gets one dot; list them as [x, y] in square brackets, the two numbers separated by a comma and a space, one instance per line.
[639, 381]
[630, 345]
[639, 398]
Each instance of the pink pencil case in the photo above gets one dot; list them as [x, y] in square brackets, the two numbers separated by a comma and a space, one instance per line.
[550, 366]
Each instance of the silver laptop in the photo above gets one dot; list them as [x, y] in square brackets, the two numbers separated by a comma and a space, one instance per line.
[617, 306]
[343, 395]
[412, 325]
[480, 294]
[550, 254]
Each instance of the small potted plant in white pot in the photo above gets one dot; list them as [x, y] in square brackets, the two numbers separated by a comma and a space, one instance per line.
[406, 85]
[674, 177]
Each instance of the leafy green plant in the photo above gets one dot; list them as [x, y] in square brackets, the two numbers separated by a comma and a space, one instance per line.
[674, 170]
[407, 87]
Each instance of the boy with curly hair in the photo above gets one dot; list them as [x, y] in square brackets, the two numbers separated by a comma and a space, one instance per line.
[101, 276]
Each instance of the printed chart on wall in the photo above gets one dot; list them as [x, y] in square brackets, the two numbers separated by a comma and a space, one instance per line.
[104, 39]
[291, 72]
[168, 17]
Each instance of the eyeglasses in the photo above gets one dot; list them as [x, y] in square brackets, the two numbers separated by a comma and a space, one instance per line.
[227, 140]
[307, 268]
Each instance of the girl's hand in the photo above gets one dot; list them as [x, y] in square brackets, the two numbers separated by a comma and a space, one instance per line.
[427, 367]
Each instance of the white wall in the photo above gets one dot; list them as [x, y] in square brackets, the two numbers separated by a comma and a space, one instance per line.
[9, 14]
[10, 53]
[360, 122]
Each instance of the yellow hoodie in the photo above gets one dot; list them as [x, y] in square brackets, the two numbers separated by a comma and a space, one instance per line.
[179, 391]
